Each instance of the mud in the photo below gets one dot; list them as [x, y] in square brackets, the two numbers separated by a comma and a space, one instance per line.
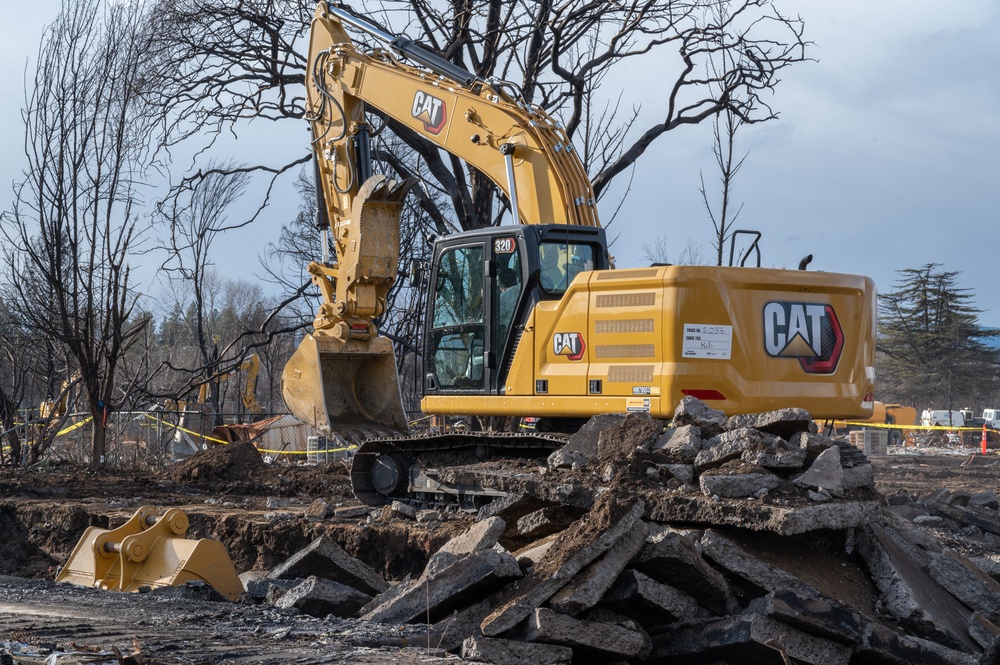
[258, 511]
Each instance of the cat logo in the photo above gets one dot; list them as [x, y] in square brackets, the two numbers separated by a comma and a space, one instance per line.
[431, 111]
[570, 345]
[809, 332]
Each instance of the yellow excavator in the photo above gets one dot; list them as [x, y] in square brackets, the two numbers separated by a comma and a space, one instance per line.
[530, 319]
[248, 397]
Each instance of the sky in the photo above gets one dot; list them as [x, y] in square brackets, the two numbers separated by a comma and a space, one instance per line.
[883, 157]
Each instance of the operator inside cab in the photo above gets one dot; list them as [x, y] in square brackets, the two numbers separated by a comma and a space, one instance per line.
[508, 285]
[561, 263]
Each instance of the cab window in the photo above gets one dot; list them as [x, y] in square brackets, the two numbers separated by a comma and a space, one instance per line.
[457, 339]
[561, 263]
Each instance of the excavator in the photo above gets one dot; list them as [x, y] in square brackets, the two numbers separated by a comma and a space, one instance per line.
[528, 318]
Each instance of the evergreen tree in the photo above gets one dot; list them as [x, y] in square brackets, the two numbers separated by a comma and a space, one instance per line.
[931, 350]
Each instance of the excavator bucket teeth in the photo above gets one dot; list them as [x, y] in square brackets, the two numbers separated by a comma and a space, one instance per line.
[349, 389]
[149, 550]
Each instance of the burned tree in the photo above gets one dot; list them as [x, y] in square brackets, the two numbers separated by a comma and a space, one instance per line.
[219, 64]
[74, 227]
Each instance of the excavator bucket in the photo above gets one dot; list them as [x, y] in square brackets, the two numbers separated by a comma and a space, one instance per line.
[149, 550]
[350, 389]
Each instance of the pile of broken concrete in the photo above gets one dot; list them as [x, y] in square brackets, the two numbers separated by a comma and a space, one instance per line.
[712, 540]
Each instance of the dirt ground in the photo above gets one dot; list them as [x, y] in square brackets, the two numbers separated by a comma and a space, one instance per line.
[259, 512]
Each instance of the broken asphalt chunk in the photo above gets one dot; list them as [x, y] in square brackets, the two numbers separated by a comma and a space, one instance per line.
[511, 652]
[579, 545]
[917, 601]
[586, 589]
[324, 558]
[462, 583]
[320, 597]
[649, 602]
[608, 639]
[746, 639]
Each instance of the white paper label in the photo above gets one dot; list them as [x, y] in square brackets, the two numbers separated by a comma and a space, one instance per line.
[705, 340]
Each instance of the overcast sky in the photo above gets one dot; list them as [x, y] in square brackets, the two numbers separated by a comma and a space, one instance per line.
[883, 157]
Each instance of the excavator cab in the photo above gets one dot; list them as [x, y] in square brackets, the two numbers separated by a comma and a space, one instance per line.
[481, 288]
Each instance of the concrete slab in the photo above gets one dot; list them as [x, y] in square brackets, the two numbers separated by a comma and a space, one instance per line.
[529, 555]
[464, 582]
[730, 445]
[586, 589]
[510, 652]
[568, 459]
[882, 644]
[682, 443]
[692, 411]
[546, 521]
[737, 481]
[404, 510]
[818, 616]
[985, 519]
[759, 515]
[783, 422]
[825, 473]
[482, 535]
[919, 603]
[812, 443]
[859, 476]
[649, 602]
[672, 558]
[730, 555]
[586, 438]
[745, 637]
[512, 507]
[682, 472]
[320, 597]
[387, 595]
[984, 632]
[581, 544]
[324, 558]
[967, 582]
[609, 639]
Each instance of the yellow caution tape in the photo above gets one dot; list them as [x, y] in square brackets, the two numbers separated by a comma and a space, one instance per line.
[307, 452]
[912, 427]
[263, 450]
[75, 426]
[188, 431]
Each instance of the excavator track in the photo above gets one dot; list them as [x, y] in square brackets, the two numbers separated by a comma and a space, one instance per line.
[404, 468]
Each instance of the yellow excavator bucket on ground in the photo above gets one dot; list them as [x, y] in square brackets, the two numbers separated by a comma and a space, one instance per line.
[344, 388]
[149, 550]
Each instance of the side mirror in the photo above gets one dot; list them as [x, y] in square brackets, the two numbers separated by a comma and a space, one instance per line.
[416, 273]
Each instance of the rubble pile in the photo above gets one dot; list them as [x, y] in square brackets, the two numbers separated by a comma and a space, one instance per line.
[716, 540]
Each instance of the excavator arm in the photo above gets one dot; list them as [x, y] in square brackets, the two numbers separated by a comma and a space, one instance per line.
[343, 375]
[521, 149]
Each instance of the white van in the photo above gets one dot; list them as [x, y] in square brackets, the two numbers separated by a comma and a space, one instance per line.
[939, 418]
[992, 418]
